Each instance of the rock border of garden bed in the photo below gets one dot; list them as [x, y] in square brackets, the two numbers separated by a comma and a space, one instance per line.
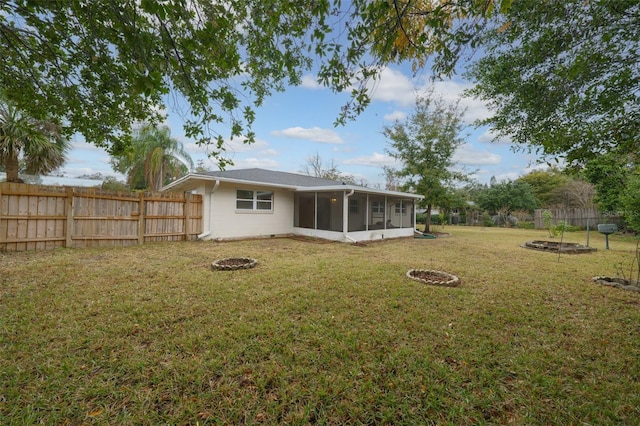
[448, 280]
[621, 283]
[233, 263]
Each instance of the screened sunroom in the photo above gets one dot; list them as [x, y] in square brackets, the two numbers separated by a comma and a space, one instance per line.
[354, 215]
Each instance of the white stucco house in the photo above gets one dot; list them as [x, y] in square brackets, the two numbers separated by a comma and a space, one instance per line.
[249, 203]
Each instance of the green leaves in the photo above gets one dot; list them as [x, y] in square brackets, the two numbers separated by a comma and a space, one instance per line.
[562, 76]
[153, 159]
[102, 66]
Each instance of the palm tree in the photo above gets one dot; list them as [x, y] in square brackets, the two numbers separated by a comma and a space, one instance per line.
[153, 160]
[37, 144]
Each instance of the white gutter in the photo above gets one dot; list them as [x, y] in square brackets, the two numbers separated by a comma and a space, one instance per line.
[345, 215]
[205, 234]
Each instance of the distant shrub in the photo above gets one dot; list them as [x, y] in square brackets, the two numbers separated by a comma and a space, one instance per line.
[421, 218]
[526, 225]
[487, 220]
[557, 228]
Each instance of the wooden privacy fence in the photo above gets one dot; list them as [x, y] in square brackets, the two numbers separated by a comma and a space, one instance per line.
[38, 217]
[575, 217]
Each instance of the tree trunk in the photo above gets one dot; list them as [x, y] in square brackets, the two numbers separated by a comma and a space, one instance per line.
[11, 168]
[427, 222]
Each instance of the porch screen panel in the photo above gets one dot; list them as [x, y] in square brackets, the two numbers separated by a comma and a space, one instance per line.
[304, 210]
[357, 212]
[408, 217]
[376, 212]
[329, 211]
[411, 214]
[395, 211]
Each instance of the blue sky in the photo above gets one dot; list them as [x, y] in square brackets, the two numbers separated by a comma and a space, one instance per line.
[298, 123]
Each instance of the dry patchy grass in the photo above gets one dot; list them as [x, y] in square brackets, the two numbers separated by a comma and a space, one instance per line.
[319, 333]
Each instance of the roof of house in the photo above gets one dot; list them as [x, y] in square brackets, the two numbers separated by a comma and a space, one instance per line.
[271, 178]
[274, 177]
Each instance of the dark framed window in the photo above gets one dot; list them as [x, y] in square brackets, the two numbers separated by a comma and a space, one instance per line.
[254, 200]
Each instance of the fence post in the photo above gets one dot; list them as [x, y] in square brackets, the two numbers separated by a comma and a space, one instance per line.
[187, 216]
[141, 219]
[69, 227]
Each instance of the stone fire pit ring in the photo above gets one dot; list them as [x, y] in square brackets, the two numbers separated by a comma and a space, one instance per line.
[433, 277]
[233, 264]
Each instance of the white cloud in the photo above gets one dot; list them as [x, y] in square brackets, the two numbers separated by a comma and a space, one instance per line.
[395, 116]
[489, 136]
[256, 162]
[451, 91]
[468, 155]
[231, 146]
[310, 82]
[503, 177]
[392, 86]
[81, 145]
[375, 160]
[314, 134]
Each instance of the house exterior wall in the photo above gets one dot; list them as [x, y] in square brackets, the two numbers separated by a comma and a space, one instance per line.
[228, 222]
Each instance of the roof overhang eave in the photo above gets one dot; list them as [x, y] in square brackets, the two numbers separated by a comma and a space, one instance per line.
[180, 184]
[361, 189]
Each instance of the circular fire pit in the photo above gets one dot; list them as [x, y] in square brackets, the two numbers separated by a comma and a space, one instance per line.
[233, 263]
[430, 276]
[555, 246]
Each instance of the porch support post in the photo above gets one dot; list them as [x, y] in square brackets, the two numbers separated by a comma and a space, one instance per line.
[414, 214]
[345, 212]
[366, 214]
[385, 212]
[315, 211]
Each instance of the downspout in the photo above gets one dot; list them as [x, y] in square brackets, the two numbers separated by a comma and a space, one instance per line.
[345, 216]
[205, 234]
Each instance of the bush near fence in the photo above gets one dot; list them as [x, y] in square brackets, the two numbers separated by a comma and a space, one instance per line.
[40, 217]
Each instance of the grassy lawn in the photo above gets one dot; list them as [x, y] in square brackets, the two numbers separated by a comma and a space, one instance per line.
[323, 333]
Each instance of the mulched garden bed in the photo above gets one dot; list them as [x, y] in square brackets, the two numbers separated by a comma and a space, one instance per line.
[433, 277]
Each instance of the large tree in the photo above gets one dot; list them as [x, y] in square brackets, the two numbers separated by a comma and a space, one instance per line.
[153, 159]
[425, 144]
[609, 174]
[548, 186]
[562, 76]
[99, 66]
[36, 144]
[504, 198]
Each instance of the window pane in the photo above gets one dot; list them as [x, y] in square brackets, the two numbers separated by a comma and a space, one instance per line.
[244, 195]
[245, 205]
[264, 205]
[264, 195]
